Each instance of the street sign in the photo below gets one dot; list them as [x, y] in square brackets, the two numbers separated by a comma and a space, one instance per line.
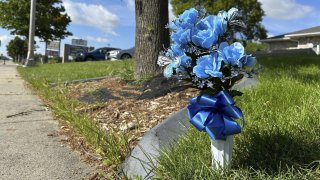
[73, 51]
[53, 45]
[79, 42]
[53, 53]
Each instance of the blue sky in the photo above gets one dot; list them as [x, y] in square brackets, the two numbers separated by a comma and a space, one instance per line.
[112, 22]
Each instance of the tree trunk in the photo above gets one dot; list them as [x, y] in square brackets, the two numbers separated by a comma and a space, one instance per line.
[151, 35]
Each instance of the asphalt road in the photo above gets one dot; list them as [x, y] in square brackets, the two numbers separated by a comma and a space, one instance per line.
[27, 148]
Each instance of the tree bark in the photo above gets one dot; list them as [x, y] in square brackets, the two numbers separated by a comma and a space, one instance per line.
[151, 35]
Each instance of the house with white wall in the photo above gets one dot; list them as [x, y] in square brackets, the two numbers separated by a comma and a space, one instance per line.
[303, 39]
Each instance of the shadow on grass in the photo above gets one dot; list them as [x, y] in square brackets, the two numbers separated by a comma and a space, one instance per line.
[276, 151]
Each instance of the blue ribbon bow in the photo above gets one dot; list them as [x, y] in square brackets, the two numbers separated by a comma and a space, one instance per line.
[215, 115]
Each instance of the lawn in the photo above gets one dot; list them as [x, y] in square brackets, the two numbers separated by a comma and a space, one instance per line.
[58, 73]
[281, 139]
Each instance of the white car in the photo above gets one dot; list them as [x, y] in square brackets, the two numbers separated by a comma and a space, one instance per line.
[120, 54]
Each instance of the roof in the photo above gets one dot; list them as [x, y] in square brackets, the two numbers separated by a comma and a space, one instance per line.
[305, 31]
[314, 31]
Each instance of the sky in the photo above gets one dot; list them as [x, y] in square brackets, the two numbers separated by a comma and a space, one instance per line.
[112, 22]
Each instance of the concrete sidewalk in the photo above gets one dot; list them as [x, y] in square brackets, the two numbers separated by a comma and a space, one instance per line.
[26, 150]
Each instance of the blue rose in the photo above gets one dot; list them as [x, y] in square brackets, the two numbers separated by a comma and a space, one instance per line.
[222, 46]
[208, 30]
[247, 61]
[208, 66]
[186, 20]
[181, 37]
[231, 54]
[220, 50]
[188, 17]
[174, 51]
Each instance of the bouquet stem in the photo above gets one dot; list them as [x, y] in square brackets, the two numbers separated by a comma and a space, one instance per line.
[222, 153]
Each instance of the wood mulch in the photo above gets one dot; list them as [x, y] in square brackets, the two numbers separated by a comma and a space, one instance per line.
[119, 106]
[122, 107]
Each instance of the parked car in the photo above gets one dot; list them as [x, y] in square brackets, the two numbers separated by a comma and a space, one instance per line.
[121, 54]
[97, 54]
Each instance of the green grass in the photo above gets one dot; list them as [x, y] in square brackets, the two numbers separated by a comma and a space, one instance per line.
[111, 147]
[58, 73]
[253, 47]
[281, 139]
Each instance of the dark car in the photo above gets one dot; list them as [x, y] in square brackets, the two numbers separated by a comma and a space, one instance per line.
[95, 55]
[121, 54]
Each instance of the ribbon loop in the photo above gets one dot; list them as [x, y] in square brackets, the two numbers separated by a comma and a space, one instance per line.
[215, 115]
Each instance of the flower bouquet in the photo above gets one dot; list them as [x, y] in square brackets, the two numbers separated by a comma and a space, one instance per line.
[200, 53]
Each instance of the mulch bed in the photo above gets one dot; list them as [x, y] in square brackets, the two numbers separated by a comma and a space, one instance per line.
[122, 107]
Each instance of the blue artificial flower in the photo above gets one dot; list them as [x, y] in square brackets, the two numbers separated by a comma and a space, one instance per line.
[222, 46]
[178, 64]
[185, 61]
[208, 30]
[168, 71]
[174, 51]
[188, 17]
[231, 54]
[181, 37]
[183, 26]
[247, 61]
[185, 20]
[208, 66]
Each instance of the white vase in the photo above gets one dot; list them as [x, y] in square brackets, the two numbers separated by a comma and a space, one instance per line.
[222, 153]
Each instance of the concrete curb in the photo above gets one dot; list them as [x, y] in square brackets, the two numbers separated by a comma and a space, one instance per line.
[142, 158]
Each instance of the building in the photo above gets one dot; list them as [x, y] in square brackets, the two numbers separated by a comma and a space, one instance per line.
[303, 39]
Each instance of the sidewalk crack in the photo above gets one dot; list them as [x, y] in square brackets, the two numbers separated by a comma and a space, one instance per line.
[24, 113]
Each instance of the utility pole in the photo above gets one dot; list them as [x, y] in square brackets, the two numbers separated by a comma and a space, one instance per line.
[30, 59]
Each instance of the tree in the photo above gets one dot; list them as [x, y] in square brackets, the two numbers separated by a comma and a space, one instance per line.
[51, 19]
[251, 10]
[151, 35]
[17, 49]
